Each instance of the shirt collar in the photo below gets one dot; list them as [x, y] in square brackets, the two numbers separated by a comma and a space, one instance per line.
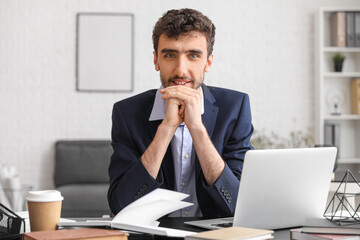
[158, 110]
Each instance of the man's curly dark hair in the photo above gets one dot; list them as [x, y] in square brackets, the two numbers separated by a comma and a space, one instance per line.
[177, 22]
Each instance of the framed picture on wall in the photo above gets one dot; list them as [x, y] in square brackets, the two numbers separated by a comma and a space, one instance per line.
[105, 54]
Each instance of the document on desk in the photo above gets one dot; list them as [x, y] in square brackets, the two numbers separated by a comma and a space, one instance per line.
[141, 215]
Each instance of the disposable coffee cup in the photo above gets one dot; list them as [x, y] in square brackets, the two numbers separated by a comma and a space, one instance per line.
[44, 209]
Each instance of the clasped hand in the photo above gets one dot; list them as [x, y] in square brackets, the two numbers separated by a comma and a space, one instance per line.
[183, 104]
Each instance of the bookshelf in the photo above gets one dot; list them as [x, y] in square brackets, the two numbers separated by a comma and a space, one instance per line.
[331, 87]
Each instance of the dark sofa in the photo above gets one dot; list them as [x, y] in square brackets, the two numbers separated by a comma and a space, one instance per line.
[81, 175]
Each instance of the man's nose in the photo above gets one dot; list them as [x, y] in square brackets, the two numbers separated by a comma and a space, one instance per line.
[181, 66]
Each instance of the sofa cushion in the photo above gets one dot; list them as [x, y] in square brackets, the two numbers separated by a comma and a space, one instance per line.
[82, 162]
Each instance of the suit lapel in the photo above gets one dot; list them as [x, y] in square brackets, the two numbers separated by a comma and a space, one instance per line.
[211, 111]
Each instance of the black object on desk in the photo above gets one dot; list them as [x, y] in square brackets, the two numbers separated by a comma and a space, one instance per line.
[340, 203]
[10, 224]
[178, 223]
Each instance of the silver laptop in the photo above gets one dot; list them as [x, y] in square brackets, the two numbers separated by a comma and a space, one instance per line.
[280, 188]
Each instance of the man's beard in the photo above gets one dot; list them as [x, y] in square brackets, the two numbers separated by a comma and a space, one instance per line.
[196, 84]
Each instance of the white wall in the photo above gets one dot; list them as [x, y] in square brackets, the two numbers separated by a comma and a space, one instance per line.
[263, 47]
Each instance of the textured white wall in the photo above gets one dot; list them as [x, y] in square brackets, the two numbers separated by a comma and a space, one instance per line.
[263, 47]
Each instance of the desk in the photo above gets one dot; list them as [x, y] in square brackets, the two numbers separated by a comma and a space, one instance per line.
[178, 223]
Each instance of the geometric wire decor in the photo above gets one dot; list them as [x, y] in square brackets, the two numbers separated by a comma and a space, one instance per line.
[341, 207]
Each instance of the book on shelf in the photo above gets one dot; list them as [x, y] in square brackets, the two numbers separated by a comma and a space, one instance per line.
[339, 29]
[332, 134]
[355, 96]
[77, 234]
[232, 233]
[301, 234]
[350, 29]
[357, 29]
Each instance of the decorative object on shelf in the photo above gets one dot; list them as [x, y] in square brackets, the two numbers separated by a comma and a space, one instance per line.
[336, 99]
[338, 60]
[335, 110]
[340, 209]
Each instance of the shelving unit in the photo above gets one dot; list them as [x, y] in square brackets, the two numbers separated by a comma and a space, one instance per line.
[344, 117]
[331, 85]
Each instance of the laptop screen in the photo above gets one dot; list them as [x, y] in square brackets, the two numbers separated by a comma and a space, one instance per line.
[280, 188]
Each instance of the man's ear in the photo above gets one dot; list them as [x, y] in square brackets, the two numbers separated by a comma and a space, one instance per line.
[156, 62]
[209, 62]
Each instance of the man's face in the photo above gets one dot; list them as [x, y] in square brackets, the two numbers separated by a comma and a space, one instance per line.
[182, 61]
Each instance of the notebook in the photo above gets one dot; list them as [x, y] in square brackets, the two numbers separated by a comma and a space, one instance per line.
[280, 188]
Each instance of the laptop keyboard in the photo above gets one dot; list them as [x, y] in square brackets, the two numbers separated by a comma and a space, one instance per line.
[223, 225]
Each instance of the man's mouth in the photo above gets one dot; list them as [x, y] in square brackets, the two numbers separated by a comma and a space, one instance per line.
[180, 82]
[183, 81]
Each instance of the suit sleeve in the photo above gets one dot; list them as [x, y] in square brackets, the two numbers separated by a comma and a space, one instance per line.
[129, 180]
[224, 191]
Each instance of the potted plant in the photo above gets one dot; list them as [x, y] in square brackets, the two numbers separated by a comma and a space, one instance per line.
[338, 60]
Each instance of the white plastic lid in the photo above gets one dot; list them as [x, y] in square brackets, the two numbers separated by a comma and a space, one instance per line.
[44, 196]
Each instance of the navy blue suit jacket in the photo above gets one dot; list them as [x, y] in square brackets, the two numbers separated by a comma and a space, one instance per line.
[227, 119]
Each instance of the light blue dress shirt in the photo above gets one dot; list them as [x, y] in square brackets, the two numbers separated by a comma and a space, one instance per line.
[183, 157]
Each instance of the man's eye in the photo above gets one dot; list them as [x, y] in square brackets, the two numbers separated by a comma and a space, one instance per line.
[169, 55]
[194, 55]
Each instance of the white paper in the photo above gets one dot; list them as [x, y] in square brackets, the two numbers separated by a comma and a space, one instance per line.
[142, 214]
[148, 213]
[147, 209]
[155, 195]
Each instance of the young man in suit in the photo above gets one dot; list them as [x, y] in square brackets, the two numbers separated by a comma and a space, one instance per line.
[185, 136]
